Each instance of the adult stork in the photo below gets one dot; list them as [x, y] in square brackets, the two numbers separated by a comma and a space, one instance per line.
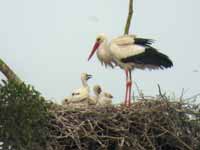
[129, 52]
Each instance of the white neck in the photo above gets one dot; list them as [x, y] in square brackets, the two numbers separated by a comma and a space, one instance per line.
[104, 44]
[84, 83]
[96, 94]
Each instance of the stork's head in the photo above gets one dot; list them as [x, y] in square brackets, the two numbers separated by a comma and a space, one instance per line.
[85, 76]
[99, 40]
[97, 89]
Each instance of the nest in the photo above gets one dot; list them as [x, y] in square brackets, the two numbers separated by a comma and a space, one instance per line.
[146, 125]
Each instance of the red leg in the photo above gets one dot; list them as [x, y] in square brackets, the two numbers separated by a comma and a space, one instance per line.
[126, 96]
[130, 92]
[129, 99]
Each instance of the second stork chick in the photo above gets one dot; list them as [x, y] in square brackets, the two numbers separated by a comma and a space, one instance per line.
[103, 98]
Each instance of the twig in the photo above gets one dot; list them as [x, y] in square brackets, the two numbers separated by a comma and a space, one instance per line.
[141, 95]
[182, 93]
[160, 93]
[193, 97]
[159, 90]
[181, 141]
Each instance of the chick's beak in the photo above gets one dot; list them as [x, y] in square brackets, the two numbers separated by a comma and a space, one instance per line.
[89, 76]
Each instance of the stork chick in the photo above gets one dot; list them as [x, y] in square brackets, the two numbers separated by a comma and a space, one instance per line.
[81, 94]
[103, 98]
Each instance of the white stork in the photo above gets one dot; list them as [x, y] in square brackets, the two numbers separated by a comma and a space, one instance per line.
[129, 52]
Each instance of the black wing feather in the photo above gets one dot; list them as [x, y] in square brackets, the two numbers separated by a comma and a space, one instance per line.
[143, 42]
[150, 57]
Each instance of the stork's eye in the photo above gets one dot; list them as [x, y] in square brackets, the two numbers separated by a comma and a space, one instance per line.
[98, 39]
[99, 90]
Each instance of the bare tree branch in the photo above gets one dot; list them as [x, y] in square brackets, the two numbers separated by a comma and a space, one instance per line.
[8, 73]
[128, 21]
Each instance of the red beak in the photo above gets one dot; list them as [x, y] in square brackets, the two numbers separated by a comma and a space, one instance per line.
[95, 47]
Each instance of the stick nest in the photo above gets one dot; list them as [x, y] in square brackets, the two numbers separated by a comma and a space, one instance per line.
[146, 125]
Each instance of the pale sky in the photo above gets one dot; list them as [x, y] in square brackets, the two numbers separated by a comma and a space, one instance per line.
[47, 42]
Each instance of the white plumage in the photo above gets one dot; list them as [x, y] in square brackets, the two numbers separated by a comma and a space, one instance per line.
[103, 98]
[82, 93]
[122, 40]
[124, 51]
[111, 53]
[124, 46]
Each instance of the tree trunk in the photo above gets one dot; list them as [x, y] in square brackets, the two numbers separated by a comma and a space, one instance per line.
[8, 73]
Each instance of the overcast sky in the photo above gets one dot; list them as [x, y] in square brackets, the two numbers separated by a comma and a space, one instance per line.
[47, 42]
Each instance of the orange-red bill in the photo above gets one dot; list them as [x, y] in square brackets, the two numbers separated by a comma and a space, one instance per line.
[95, 47]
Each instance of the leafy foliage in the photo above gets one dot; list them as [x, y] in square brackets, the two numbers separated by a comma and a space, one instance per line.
[23, 116]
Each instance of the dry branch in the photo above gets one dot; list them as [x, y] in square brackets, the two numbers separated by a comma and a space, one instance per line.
[128, 21]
